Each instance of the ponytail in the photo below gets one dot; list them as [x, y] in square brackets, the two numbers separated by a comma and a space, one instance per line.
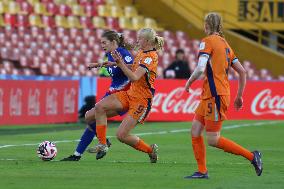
[159, 43]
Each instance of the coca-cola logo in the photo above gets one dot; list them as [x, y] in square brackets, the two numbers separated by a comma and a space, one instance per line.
[176, 101]
[265, 103]
[34, 102]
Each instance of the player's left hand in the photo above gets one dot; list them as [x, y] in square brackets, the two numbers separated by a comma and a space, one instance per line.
[117, 57]
[238, 104]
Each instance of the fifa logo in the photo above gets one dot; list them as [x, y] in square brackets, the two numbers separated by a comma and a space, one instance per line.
[16, 102]
[33, 102]
[69, 101]
[51, 102]
[1, 102]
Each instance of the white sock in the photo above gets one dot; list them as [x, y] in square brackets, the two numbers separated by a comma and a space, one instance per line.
[77, 153]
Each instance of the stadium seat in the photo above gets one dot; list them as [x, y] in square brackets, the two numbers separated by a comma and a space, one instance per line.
[60, 21]
[40, 9]
[99, 22]
[22, 20]
[125, 23]
[52, 8]
[112, 23]
[2, 23]
[13, 7]
[10, 19]
[130, 12]
[33, 2]
[64, 10]
[35, 20]
[73, 22]
[90, 11]
[48, 21]
[103, 10]
[78, 10]
[26, 8]
[115, 11]
[86, 22]
[2, 7]
[138, 22]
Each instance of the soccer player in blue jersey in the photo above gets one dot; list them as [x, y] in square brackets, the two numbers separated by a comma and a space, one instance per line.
[110, 41]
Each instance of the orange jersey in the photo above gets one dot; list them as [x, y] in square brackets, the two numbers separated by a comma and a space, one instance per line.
[221, 57]
[144, 87]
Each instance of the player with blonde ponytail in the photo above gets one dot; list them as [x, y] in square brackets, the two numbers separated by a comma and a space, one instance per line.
[137, 100]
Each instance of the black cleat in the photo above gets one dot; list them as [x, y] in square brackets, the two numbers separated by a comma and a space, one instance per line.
[198, 175]
[102, 150]
[71, 158]
[95, 149]
[257, 163]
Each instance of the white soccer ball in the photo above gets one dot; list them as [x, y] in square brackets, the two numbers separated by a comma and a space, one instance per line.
[47, 151]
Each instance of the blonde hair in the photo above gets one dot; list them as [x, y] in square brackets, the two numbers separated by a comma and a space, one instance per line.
[152, 36]
[214, 23]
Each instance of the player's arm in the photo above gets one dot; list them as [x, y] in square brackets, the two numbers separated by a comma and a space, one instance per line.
[199, 70]
[126, 68]
[236, 65]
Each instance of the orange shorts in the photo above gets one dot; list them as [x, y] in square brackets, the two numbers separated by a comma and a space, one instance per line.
[212, 111]
[138, 108]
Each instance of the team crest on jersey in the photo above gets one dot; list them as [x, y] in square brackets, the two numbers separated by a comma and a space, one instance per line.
[148, 60]
[202, 46]
[127, 59]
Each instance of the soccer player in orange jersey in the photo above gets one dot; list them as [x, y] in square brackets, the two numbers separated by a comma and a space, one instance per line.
[215, 59]
[137, 100]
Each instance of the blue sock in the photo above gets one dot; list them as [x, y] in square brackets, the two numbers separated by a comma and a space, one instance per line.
[85, 140]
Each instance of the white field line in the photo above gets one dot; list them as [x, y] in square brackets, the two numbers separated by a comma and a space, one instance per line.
[155, 133]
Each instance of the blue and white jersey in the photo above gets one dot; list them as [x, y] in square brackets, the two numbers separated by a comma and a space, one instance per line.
[119, 81]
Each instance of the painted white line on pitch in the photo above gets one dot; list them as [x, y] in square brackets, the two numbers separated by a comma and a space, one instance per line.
[155, 133]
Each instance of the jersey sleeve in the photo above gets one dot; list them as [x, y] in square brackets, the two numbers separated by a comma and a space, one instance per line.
[127, 57]
[205, 47]
[149, 63]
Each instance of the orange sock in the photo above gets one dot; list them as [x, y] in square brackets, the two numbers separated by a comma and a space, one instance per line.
[232, 147]
[101, 133]
[199, 150]
[142, 146]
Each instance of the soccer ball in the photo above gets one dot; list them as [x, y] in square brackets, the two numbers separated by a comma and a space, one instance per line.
[47, 151]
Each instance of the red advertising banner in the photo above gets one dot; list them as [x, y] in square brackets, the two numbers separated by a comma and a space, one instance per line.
[262, 100]
[37, 102]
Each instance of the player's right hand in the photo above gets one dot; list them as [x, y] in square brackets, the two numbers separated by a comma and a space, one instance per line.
[93, 65]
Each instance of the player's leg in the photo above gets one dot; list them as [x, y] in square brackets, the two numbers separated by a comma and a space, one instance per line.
[198, 147]
[123, 135]
[88, 135]
[110, 103]
[216, 140]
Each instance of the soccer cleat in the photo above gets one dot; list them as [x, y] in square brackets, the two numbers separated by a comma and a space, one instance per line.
[102, 150]
[154, 155]
[95, 149]
[198, 175]
[257, 163]
[71, 158]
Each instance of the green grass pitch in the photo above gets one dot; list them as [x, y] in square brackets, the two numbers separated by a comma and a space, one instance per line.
[126, 168]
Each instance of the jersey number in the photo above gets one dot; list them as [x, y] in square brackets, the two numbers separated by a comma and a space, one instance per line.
[139, 110]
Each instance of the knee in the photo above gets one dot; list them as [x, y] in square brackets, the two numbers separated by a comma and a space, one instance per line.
[212, 140]
[90, 116]
[99, 107]
[120, 135]
[196, 129]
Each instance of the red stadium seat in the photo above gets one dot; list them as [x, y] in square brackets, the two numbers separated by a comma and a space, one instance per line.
[48, 21]
[22, 20]
[86, 22]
